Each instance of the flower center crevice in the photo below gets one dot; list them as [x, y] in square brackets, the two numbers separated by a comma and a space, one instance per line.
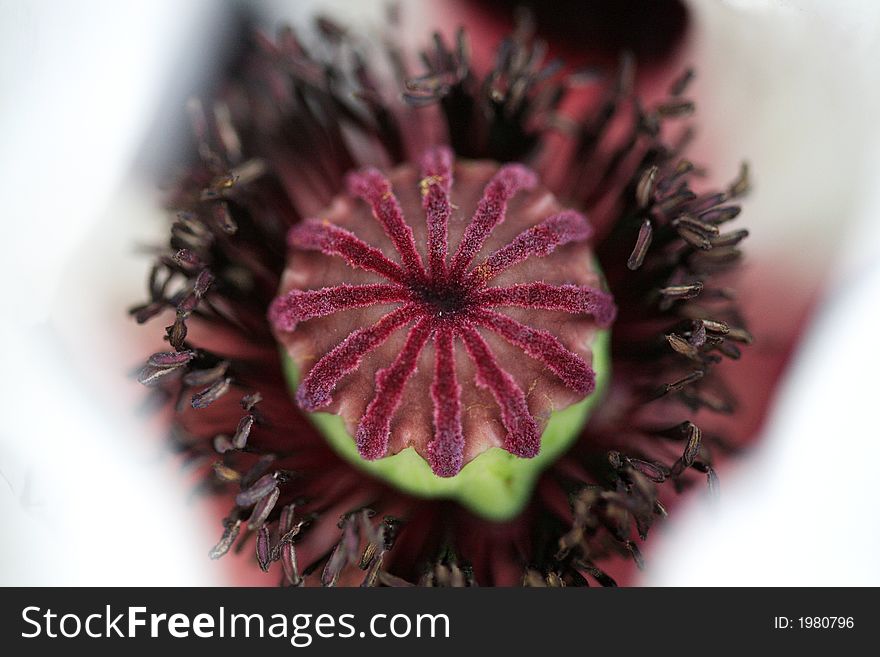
[443, 299]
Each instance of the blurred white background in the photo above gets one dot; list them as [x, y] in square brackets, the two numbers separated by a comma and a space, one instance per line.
[87, 498]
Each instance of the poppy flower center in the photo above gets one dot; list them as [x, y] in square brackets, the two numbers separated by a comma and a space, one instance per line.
[449, 329]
